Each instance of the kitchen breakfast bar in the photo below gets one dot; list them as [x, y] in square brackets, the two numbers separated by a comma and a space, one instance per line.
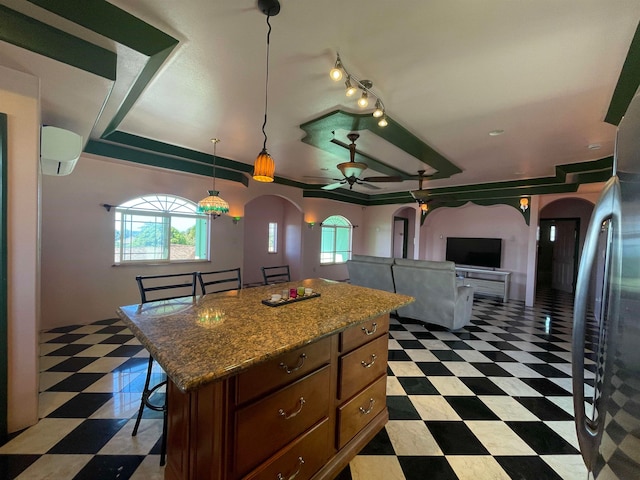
[261, 390]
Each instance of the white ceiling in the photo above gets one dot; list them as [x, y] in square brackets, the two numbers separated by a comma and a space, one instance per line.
[449, 72]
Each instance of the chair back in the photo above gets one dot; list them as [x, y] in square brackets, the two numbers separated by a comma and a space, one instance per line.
[166, 286]
[220, 280]
[277, 274]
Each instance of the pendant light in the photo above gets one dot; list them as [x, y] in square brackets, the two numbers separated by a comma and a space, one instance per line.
[264, 166]
[213, 205]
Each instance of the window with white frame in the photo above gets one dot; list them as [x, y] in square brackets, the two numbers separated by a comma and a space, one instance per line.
[160, 229]
[335, 246]
[272, 242]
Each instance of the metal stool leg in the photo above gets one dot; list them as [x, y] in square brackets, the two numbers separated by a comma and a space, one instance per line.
[145, 402]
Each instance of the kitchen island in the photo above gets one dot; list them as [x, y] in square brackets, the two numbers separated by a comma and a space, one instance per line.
[257, 391]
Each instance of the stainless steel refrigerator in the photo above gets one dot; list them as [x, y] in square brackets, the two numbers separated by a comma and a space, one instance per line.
[608, 425]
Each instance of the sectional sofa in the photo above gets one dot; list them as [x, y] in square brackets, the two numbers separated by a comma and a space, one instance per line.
[439, 300]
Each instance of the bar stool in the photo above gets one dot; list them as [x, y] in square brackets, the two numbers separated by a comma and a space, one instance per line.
[157, 287]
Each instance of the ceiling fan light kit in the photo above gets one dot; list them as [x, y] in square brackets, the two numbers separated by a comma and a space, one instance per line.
[352, 84]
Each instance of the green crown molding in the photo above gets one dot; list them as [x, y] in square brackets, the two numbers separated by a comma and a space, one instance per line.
[38, 37]
[511, 202]
[129, 154]
[319, 133]
[628, 82]
[122, 27]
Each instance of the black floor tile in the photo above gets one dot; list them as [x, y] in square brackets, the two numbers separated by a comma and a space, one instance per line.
[13, 465]
[379, 445]
[417, 386]
[411, 344]
[112, 329]
[422, 468]
[134, 365]
[76, 382]
[68, 350]
[491, 369]
[549, 357]
[125, 351]
[543, 408]
[471, 408]
[482, 386]
[401, 408]
[107, 467]
[83, 405]
[398, 356]
[68, 338]
[447, 356]
[503, 345]
[72, 364]
[457, 345]
[434, 369]
[548, 371]
[527, 467]
[497, 356]
[546, 387]
[455, 438]
[88, 437]
[541, 438]
[118, 339]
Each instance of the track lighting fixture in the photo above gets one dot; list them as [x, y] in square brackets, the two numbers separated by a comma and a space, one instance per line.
[352, 85]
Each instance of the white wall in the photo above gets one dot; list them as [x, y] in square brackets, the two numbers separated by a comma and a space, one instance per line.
[20, 100]
[470, 220]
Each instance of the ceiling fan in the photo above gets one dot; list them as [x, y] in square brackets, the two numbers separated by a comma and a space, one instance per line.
[352, 170]
[421, 196]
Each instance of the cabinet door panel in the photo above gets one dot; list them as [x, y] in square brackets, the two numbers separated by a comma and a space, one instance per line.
[360, 334]
[301, 460]
[360, 410]
[360, 367]
[282, 370]
[264, 427]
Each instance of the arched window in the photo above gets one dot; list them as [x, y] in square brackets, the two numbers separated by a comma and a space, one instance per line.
[160, 229]
[335, 245]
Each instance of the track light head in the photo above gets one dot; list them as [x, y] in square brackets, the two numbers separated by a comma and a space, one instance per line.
[336, 71]
[350, 88]
[363, 101]
[379, 111]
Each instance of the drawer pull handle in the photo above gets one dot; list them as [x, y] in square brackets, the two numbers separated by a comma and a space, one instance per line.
[368, 365]
[370, 332]
[370, 409]
[286, 416]
[295, 474]
[286, 368]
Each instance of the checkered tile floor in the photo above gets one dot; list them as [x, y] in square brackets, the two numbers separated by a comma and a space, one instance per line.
[490, 401]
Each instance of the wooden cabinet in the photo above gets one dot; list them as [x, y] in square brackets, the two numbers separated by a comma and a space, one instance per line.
[303, 414]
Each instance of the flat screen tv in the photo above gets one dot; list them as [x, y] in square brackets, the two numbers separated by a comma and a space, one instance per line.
[474, 252]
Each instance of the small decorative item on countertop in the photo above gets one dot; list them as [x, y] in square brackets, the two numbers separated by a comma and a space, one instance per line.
[275, 297]
[293, 298]
[293, 293]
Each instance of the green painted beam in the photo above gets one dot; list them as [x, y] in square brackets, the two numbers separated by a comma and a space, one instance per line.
[122, 152]
[38, 37]
[319, 134]
[628, 83]
[112, 22]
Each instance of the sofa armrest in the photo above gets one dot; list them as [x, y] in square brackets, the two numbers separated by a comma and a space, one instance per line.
[463, 305]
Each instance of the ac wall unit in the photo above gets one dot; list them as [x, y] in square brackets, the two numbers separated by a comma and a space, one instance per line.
[59, 150]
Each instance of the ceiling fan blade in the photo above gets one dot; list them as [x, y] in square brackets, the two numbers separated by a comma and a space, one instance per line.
[382, 179]
[366, 185]
[332, 186]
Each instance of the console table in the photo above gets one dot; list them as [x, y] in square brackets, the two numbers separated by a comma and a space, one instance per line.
[484, 281]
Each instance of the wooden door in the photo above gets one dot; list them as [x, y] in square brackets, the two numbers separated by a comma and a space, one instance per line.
[563, 270]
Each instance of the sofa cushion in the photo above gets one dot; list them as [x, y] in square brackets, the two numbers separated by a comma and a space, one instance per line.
[405, 262]
[372, 259]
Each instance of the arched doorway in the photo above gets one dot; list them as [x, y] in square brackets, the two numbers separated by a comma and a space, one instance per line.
[403, 244]
[272, 237]
[563, 226]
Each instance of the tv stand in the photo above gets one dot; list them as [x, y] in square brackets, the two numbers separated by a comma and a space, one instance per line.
[485, 281]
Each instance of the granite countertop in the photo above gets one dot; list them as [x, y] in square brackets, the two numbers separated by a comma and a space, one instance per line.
[195, 348]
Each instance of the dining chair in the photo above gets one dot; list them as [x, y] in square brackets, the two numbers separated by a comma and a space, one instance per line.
[220, 280]
[154, 288]
[277, 274]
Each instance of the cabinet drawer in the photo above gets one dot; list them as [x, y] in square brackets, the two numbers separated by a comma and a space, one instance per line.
[264, 427]
[360, 334]
[360, 367]
[360, 410]
[281, 370]
[301, 460]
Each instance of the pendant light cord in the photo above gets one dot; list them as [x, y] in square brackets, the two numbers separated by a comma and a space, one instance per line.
[266, 88]
[215, 144]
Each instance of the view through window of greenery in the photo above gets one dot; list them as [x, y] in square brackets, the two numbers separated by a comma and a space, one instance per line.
[160, 228]
[335, 244]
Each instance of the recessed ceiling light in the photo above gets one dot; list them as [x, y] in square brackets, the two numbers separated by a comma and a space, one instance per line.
[594, 146]
[495, 133]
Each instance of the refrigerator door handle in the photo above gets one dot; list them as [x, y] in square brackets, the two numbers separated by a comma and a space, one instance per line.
[607, 208]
